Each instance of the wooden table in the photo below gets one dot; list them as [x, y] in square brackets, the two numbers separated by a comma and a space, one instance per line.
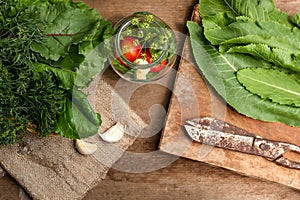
[180, 178]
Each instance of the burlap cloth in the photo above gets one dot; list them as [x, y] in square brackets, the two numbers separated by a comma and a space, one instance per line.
[51, 168]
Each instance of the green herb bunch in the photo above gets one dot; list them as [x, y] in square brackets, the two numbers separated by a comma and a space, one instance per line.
[49, 53]
[27, 94]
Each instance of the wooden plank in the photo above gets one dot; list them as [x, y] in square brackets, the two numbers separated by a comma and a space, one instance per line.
[189, 83]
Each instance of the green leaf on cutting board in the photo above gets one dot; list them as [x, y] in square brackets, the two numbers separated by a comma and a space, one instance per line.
[220, 69]
[270, 41]
[253, 27]
[271, 84]
[257, 10]
[296, 19]
[278, 56]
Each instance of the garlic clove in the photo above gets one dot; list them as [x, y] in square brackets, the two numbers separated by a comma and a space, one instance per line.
[140, 61]
[114, 133]
[141, 74]
[85, 148]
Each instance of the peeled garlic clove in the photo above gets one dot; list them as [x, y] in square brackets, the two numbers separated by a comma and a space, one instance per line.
[141, 74]
[140, 61]
[85, 148]
[113, 134]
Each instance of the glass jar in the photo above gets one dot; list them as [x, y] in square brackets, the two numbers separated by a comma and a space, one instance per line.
[144, 48]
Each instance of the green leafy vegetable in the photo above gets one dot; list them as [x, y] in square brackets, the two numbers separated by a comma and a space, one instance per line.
[249, 33]
[280, 57]
[263, 10]
[49, 52]
[77, 109]
[275, 85]
[258, 43]
[71, 27]
[296, 19]
[220, 69]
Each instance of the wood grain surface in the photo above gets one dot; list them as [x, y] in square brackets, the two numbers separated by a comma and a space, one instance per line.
[181, 178]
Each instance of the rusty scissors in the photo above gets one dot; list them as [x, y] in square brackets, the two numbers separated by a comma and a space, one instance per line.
[214, 132]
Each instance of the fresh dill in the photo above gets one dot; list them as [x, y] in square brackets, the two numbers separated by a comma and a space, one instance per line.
[27, 94]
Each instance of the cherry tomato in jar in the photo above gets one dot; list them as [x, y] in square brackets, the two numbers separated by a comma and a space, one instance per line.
[148, 55]
[131, 48]
[159, 67]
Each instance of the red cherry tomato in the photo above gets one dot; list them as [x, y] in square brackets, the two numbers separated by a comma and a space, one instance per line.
[148, 55]
[131, 48]
[159, 67]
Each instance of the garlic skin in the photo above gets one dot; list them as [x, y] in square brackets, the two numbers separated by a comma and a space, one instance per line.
[85, 148]
[114, 133]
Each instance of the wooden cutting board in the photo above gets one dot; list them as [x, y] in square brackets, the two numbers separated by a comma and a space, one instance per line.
[193, 97]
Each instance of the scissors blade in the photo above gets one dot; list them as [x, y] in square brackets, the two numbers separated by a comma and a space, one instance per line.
[216, 124]
[221, 139]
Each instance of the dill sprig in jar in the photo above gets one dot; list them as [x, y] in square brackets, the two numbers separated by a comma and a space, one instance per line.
[144, 48]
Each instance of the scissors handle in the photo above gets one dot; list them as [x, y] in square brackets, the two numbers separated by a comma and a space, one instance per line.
[274, 151]
[287, 163]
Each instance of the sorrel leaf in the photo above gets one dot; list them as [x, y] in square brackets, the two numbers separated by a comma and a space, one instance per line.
[219, 69]
[271, 84]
